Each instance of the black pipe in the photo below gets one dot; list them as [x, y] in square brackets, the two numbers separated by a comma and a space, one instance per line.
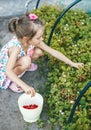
[77, 101]
[59, 17]
[37, 4]
[27, 4]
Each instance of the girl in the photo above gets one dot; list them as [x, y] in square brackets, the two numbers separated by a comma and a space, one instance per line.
[26, 46]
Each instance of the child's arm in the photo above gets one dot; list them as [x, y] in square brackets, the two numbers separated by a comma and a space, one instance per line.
[59, 55]
[11, 74]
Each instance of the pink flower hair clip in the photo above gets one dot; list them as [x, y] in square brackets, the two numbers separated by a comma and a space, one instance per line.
[32, 16]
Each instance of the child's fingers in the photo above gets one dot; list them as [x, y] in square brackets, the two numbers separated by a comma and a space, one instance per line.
[81, 65]
[31, 91]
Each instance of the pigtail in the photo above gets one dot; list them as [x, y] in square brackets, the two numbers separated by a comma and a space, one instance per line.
[25, 26]
[12, 25]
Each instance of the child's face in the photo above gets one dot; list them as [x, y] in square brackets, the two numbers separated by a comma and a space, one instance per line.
[37, 38]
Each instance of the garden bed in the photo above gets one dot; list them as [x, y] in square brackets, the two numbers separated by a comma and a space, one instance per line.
[72, 37]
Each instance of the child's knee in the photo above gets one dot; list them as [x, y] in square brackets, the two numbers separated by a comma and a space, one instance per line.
[39, 52]
[26, 61]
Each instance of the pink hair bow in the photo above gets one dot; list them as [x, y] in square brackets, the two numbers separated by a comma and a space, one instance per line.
[32, 16]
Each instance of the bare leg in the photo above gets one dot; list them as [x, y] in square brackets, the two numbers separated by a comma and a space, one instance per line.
[21, 66]
[37, 53]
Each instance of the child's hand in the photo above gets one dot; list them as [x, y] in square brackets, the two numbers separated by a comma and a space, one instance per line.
[30, 90]
[78, 65]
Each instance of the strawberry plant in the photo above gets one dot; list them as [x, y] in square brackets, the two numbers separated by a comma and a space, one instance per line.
[72, 37]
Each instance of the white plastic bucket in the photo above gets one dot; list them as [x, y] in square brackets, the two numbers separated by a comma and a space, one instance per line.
[30, 115]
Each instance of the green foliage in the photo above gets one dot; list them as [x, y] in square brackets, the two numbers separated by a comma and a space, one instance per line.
[72, 37]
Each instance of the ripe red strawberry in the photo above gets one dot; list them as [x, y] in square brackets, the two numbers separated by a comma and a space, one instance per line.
[31, 106]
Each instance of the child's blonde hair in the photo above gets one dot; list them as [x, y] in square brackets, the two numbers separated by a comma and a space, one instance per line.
[24, 26]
